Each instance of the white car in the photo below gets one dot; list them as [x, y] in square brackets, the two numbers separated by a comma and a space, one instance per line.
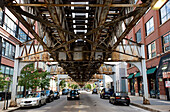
[33, 99]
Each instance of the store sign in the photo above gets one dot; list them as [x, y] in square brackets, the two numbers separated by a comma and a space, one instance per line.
[164, 67]
[167, 84]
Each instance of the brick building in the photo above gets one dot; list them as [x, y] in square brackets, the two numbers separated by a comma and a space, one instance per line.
[12, 32]
[153, 30]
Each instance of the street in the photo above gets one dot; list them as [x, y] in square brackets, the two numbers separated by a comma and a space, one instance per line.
[88, 103]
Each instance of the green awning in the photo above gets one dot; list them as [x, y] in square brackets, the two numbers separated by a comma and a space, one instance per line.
[130, 76]
[151, 70]
[138, 74]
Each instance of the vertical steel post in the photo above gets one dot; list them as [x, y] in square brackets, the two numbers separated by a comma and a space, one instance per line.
[143, 69]
[13, 102]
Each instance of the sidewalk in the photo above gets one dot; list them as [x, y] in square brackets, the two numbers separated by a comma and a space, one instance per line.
[9, 108]
[156, 105]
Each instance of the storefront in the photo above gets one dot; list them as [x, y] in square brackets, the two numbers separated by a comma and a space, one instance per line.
[151, 75]
[139, 83]
[163, 74]
[132, 84]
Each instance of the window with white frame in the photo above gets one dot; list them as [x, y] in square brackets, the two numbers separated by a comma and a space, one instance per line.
[166, 42]
[8, 49]
[10, 26]
[151, 50]
[1, 16]
[149, 26]
[6, 70]
[138, 36]
[165, 12]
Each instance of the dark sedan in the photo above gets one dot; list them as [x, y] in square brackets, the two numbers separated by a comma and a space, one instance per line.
[73, 94]
[56, 95]
[50, 95]
[106, 93]
[122, 98]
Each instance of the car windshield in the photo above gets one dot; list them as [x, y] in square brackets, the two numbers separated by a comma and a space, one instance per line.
[64, 90]
[107, 90]
[33, 95]
[121, 94]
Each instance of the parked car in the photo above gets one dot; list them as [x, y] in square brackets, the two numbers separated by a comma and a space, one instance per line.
[65, 91]
[106, 93]
[50, 95]
[73, 94]
[116, 98]
[56, 95]
[94, 91]
[33, 99]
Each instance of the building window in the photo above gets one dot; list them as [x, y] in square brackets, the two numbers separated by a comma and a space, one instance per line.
[22, 36]
[7, 70]
[149, 26]
[138, 36]
[151, 50]
[166, 42]
[130, 41]
[165, 12]
[10, 26]
[8, 49]
[1, 17]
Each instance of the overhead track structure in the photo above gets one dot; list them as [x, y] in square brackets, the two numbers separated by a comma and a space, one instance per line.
[79, 35]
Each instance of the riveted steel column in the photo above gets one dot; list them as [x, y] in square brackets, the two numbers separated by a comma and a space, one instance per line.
[13, 102]
[143, 69]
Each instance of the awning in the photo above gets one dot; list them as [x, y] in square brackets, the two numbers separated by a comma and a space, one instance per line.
[130, 76]
[151, 70]
[138, 74]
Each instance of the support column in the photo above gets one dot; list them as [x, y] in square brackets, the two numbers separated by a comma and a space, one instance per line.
[143, 69]
[13, 102]
[104, 81]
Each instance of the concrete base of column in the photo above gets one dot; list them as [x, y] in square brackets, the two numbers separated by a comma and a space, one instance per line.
[13, 104]
[146, 101]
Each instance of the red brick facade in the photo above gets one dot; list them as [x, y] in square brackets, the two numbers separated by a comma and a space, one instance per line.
[159, 31]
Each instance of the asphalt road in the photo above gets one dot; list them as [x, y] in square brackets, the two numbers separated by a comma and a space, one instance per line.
[88, 103]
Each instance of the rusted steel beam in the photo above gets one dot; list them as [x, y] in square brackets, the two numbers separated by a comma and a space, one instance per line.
[78, 5]
[115, 60]
[54, 16]
[131, 24]
[102, 19]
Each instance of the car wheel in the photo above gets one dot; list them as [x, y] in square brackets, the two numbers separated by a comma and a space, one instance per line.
[39, 104]
[127, 104]
[110, 101]
[45, 102]
[68, 98]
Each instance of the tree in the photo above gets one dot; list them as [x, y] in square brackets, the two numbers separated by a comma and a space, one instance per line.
[88, 86]
[3, 83]
[74, 86]
[44, 81]
[62, 84]
[29, 78]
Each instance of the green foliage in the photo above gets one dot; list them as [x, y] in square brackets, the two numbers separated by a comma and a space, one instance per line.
[88, 86]
[31, 78]
[68, 85]
[62, 84]
[94, 86]
[44, 81]
[74, 86]
[3, 83]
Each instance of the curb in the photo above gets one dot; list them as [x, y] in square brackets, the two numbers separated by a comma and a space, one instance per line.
[145, 107]
[11, 110]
